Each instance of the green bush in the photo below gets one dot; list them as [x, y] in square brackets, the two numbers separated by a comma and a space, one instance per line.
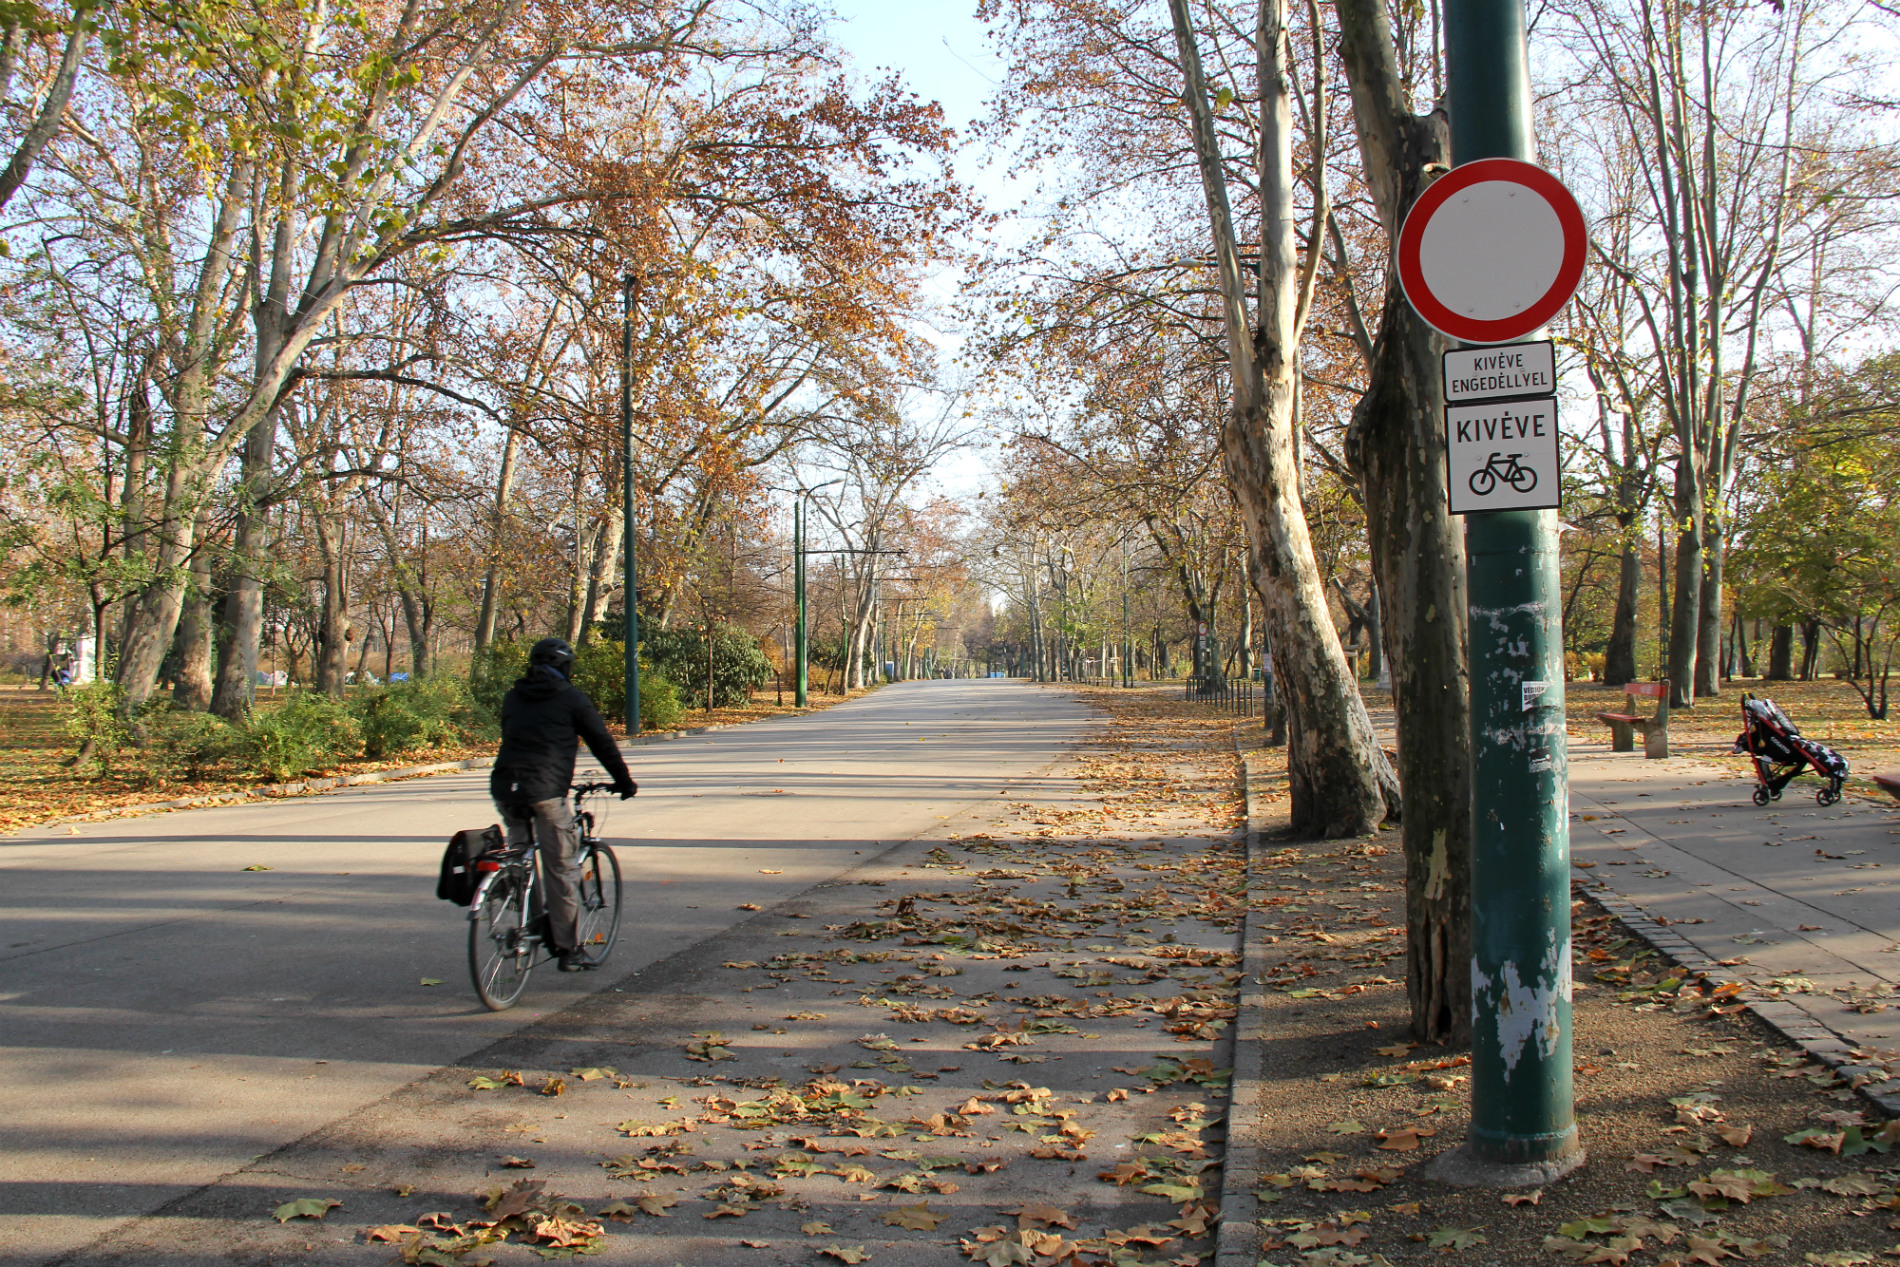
[491, 672]
[190, 745]
[600, 669]
[738, 665]
[95, 720]
[405, 716]
[310, 732]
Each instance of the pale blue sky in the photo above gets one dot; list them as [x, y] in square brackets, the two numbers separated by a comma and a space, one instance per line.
[938, 46]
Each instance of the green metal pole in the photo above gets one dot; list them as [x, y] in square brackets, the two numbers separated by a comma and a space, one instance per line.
[1128, 645]
[630, 575]
[798, 586]
[1523, 1118]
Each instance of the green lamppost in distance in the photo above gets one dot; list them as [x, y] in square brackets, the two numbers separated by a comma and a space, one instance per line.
[630, 577]
[803, 651]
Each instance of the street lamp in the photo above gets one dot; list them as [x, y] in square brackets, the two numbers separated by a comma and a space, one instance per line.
[629, 577]
[798, 585]
[1128, 645]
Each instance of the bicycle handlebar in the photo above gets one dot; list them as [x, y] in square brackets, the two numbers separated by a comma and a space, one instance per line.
[588, 789]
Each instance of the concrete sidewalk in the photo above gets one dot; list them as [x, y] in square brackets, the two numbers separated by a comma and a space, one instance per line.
[1796, 899]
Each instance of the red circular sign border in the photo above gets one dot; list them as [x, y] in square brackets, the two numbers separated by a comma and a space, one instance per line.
[1569, 272]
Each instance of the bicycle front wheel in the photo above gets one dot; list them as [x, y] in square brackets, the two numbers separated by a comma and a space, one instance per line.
[599, 920]
[500, 949]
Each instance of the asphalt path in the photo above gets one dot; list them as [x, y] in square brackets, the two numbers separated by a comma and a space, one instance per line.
[167, 1015]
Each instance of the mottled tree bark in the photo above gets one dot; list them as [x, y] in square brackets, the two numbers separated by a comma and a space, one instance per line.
[1619, 659]
[1333, 761]
[333, 620]
[1781, 654]
[193, 690]
[1709, 623]
[1396, 443]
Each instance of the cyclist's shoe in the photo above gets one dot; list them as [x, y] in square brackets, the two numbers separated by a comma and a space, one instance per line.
[574, 961]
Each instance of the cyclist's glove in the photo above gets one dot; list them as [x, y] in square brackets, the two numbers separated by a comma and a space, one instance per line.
[627, 789]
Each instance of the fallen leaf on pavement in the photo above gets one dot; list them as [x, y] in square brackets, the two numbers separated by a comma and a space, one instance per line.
[305, 1208]
[914, 1218]
[391, 1232]
[1455, 1238]
[1405, 1139]
[1041, 1216]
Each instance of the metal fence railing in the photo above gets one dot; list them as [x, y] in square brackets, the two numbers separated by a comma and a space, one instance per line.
[1226, 695]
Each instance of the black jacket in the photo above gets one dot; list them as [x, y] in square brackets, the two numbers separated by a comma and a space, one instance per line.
[542, 717]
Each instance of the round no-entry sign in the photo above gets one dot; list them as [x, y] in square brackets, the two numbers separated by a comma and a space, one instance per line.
[1492, 250]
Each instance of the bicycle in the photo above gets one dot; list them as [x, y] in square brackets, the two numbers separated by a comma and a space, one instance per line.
[507, 929]
[1511, 471]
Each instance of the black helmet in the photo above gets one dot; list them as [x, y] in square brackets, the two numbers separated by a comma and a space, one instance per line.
[553, 652]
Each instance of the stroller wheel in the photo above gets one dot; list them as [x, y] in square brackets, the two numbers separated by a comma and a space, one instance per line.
[1827, 796]
[1775, 795]
[1761, 796]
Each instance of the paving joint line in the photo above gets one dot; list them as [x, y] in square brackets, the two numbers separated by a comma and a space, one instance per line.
[1238, 1240]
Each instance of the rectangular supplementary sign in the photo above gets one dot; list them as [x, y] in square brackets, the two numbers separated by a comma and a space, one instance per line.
[1502, 455]
[1500, 373]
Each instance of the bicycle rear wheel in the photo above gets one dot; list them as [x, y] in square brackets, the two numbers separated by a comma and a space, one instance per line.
[599, 921]
[500, 949]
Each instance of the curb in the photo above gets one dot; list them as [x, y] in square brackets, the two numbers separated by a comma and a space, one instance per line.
[1238, 1241]
[1800, 1027]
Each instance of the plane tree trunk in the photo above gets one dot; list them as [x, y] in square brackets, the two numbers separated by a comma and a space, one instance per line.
[1333, 761]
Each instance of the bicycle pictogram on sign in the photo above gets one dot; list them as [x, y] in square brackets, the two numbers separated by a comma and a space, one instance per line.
[1485, 479]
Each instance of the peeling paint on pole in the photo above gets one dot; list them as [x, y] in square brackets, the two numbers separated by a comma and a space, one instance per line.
[1521, 1094]
[1527, 1013]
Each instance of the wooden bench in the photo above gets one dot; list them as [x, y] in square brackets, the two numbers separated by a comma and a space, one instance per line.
[1889, 783]
[1624, 725]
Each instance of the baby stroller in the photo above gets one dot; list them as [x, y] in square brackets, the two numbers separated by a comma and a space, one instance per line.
[1780, 753]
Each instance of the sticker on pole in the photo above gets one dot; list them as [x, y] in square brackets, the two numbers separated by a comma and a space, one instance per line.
[1492, 250]
[1503, 455]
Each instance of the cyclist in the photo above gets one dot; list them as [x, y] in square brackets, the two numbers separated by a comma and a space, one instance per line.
[542, 718]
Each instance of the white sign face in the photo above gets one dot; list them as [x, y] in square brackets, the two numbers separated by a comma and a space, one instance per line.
[1494, 251]
[1503, 456]
[1506, 369]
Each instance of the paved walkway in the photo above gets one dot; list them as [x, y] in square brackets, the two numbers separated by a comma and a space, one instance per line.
[186, 992]
[1806, 899]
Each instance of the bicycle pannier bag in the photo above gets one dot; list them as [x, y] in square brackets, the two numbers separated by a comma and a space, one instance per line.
[458, 879]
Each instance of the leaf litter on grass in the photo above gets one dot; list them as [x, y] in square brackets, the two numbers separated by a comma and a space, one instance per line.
[1683, 1101]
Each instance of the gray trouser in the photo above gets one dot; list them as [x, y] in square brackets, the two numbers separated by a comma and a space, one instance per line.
[552, 823]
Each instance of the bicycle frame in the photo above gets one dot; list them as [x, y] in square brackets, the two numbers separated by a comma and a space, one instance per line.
[492, 869]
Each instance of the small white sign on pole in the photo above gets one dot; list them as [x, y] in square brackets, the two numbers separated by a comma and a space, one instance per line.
[1503, 456]
[1503, 370]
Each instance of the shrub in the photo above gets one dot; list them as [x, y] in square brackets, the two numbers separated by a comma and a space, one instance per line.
[189, 745]
[405, 716]
[600, 669]
[738, 666]
[95, 720]
[491, 672]
[310, 732]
